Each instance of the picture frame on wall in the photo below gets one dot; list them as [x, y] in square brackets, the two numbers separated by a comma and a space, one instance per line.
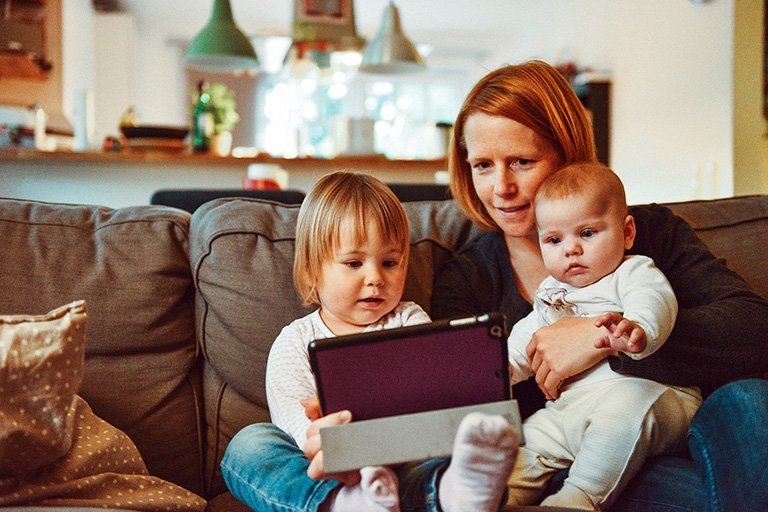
[324, 11]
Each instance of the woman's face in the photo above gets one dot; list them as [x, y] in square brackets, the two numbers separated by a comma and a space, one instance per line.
[508, 162]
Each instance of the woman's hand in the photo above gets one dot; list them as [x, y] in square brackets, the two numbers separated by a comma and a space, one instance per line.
[562, 350]
[313, 449]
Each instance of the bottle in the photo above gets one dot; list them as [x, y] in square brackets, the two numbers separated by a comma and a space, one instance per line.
[202, 120]
[40, 122]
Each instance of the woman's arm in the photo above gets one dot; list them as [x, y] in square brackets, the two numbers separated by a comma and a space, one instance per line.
[720, 332]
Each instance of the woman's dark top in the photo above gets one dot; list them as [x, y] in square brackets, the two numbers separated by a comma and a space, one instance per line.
[721, 332]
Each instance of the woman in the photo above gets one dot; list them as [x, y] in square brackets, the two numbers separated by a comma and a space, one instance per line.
[517, 126]
[527, 122]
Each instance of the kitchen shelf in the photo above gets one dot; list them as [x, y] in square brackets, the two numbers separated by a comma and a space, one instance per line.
[133, 157]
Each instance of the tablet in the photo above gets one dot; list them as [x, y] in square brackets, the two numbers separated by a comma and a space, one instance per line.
[439, 365]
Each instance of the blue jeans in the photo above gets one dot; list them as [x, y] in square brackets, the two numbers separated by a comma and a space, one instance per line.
[728, 441]
[264, 469]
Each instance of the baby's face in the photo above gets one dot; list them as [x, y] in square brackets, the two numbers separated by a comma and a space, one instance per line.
[580, 243]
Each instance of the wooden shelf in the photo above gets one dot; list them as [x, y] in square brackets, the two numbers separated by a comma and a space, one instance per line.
[133, 157]
[23, 66]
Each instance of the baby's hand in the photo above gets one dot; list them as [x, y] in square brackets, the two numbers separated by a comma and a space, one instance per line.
[623, 335]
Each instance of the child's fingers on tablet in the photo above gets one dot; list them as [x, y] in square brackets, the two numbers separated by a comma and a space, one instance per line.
[311, 407]
[312, 445]
[313, 431]
[330, 420]
[315, 469]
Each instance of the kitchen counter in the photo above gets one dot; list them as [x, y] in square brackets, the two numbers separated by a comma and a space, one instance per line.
[130, 177]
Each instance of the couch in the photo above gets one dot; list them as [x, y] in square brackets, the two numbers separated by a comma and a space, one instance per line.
[182, 309]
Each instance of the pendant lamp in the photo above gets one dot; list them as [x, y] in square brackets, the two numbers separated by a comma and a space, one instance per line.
[221, 46]
[391, 51]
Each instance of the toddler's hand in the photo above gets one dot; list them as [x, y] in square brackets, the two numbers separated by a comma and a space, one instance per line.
[311, 407]
[313, 449]
[623, 335]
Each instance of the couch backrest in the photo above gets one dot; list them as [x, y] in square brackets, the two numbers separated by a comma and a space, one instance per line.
[735, 229]
[131, 267]
[242, 260]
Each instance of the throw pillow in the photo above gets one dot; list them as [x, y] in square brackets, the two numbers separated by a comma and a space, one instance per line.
[41, 367]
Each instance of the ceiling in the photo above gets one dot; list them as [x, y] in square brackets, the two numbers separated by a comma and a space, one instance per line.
[416, 15]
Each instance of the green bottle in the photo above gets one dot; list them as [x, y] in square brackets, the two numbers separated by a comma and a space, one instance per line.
[202, 120]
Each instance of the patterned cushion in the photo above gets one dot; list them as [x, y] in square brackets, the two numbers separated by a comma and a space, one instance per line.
[41, 367]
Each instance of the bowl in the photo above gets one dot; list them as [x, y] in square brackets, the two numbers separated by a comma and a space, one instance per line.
[154, 132]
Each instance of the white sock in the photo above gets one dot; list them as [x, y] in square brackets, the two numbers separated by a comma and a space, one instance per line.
[484, 453]
[376, 492]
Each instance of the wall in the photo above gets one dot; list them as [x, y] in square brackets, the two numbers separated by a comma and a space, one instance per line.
[671, 63]
[686, 121]
[114, 81]
[749, 133]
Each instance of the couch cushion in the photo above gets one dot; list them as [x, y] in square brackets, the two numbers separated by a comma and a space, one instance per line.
[242, 258]
[131, 267]
[735, 229]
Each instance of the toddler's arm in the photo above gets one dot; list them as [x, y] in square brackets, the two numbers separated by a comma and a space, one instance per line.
[289, 380]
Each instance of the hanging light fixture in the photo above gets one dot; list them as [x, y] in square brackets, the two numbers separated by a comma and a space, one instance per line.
[391, 51]
[221, 46]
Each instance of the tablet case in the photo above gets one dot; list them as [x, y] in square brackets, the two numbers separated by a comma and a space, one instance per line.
[439, 365]
[397, 439]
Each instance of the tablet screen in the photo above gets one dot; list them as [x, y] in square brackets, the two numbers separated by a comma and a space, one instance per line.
[443, 364]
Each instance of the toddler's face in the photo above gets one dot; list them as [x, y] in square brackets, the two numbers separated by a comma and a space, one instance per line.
[363, 282]
[580, 244]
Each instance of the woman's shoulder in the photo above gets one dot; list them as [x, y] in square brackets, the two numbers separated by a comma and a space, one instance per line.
[648, 214]
[659, 233]
[478, 261]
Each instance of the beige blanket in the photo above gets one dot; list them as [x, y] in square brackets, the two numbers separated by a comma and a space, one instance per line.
[103, 468]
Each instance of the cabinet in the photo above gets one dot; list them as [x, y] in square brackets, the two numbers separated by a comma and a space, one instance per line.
[596, 98]
[23, 40]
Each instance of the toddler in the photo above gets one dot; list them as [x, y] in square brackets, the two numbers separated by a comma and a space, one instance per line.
[352, 243]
